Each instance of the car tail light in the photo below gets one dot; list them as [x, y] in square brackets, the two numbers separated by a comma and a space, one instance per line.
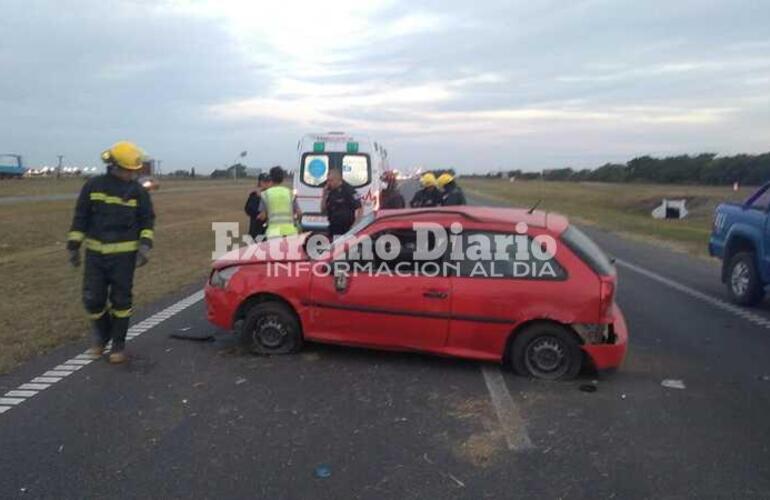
[606, 298]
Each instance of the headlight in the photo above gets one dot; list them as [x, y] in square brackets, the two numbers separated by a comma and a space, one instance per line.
[221, 277]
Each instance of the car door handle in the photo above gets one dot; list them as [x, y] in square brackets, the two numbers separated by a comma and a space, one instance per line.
[435, 294]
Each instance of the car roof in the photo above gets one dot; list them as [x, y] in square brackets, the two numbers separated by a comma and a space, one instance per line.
[538, 218]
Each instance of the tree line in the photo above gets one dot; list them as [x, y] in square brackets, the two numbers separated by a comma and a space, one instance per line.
[704, 168]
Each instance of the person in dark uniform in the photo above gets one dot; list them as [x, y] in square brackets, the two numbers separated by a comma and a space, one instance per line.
[114, 219]
[340, 203]
[391, 197]
[257, 226]
[452, 194]
[429, 195]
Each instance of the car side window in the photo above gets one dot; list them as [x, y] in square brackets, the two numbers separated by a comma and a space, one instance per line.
[393, 251]
[502, 255]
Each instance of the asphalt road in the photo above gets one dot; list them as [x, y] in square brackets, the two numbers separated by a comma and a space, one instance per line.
[191, 419]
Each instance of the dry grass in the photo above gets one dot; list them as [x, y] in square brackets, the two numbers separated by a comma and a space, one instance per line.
[42, 306]
[619, 207]
[36, 186]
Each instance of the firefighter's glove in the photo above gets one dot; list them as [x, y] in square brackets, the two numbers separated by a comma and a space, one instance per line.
[142, 255]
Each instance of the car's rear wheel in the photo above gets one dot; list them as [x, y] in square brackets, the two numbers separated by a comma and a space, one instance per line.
[546, 351]
[271, 328]
[743, 283]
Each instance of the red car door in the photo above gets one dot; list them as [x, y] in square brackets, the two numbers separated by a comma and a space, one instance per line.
[402, 309]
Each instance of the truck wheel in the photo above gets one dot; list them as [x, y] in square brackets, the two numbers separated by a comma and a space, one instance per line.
[546, 351]
[743, 283]
[271, 328]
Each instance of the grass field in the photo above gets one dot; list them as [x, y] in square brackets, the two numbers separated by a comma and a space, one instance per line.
[622, 208]
[42, 306]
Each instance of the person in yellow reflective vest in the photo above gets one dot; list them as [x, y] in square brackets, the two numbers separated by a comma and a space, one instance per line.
[114, 220]
[278, 207]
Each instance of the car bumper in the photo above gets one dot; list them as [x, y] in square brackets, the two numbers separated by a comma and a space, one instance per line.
[610, 356]
[220, 307]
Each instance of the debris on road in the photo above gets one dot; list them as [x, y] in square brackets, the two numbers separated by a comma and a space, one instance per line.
[323, 472]
[240, 381]
[182, 334]
[673, 383]
[764, 378]
[588, 388]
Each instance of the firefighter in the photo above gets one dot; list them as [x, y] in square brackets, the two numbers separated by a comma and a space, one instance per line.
[451, 194]
[340, 203]
[114, 219]
[390, 197]
[279, 207]
[256, 225]
[429, 195]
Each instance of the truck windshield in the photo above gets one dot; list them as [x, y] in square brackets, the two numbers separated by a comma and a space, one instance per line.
[356, 168]
[588, 251]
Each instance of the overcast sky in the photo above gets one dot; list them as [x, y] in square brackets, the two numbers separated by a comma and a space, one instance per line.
[476, 85]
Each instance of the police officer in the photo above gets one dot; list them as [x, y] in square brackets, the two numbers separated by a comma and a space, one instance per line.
[279, 207]
[390, 197]
[340, 203]
[114, 219]
[451, 194]
[429, 195]
[257, 226]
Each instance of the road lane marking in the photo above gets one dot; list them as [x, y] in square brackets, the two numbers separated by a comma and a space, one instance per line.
[513, 425]
[45, 380]
[32, 388]
[739, 311]
[21, 394]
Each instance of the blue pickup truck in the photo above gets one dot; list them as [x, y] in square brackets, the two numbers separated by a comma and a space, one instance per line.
[740, 237]
[11, 166]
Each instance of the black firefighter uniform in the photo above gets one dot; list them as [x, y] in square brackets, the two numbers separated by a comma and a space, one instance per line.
[112, 219]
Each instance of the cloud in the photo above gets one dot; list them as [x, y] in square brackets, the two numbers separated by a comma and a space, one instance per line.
[526, 84]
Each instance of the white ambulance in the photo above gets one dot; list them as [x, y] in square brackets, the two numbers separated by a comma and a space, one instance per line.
[361, 160]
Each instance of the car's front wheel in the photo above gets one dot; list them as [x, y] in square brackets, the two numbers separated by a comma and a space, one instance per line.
[546, 351]
[271, 328]
[743, 283]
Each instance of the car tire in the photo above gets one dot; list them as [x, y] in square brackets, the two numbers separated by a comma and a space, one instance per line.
[271, 328]
[743, 283]
[546, 351]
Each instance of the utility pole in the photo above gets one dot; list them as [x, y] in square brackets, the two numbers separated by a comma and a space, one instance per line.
[58, 168]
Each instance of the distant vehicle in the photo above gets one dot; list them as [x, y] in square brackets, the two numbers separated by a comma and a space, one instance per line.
[362, 163]
[547, 327]
[11, 166]
[740, 237]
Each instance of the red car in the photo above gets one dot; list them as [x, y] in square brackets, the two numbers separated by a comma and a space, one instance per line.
[544, 324]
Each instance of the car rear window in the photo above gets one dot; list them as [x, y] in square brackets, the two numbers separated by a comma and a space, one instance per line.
[588, 251]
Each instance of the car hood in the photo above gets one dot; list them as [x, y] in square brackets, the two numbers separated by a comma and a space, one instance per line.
[286, 249]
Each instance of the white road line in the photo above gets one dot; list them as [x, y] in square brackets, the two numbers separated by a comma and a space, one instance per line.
[34, 386]
[718, 303]
[46, 380]
[68, 368]
[82, 362]
[10, 401]
[37, 384]
[20, 394]
[515, 430]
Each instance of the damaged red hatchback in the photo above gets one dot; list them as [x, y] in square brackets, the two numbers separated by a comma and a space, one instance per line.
[492, 284]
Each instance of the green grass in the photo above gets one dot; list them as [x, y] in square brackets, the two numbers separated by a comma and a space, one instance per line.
[624, 208]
